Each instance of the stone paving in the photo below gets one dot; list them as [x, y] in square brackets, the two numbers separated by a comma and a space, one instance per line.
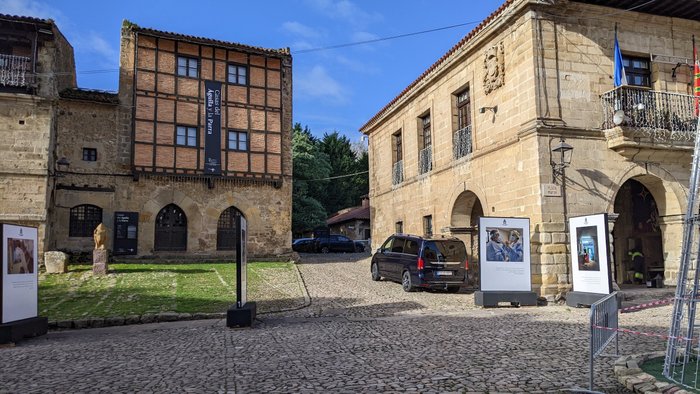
[355, 336]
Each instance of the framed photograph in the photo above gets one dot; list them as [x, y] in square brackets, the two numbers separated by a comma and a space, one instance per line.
[19, 279]
[504, 254]
[589, 245]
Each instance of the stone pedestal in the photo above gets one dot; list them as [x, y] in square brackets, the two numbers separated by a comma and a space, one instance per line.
[56, 262]
[100, 259]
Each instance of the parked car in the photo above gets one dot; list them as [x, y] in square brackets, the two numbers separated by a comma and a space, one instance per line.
[337, 243]
[425, 262]
[305, 245]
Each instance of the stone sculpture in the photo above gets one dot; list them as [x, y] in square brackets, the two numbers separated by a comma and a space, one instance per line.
[100, 236]
[494, 68]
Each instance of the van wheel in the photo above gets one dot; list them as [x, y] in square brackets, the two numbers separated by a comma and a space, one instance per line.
[406, 282]
[375, 272]
[325, 249]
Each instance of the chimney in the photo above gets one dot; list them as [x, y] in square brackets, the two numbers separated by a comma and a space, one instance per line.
[365, 201]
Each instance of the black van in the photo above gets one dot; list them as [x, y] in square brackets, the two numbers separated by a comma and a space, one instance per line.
[426, 262]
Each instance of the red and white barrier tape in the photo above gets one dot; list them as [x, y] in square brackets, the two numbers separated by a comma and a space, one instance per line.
[646, 334]
[647, 305]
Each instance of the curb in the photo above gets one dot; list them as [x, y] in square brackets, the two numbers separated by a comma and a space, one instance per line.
[630, 375]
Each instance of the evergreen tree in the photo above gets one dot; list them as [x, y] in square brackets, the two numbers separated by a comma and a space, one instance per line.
[310, 168]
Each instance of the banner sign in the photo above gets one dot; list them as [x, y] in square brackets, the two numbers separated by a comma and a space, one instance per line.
[19, 279]
[590, 254]
[126, 230]
[241, 261]
[504, 254]
[212, 128]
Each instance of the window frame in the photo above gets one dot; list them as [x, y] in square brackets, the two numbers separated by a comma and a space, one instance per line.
[428, 225]
[398, 227]
[238, 134]
[186, 135]
[631, 71]
[463, 107]
[237, 75]
[426, 126]
[398, 146]
[82, 227]
[91, 154]
[188, 66]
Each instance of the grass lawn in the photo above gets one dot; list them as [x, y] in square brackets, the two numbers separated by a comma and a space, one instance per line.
[655, 368]
[137, 289]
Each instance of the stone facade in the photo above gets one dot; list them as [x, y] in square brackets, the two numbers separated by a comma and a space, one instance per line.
[556, 67]
[28, 98]
[100, 138]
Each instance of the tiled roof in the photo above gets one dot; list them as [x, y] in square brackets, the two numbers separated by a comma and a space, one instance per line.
[361, 213]
[29, 19]
[99, 96]
[461, 43]
[209, 41]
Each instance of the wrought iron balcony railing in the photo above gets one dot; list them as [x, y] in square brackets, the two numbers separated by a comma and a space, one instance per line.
[397, 173]
[462, 142]
[649, 113]
[425, 159]
[16, 71]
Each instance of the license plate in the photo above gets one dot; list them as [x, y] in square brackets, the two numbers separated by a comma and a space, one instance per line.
[443, 273]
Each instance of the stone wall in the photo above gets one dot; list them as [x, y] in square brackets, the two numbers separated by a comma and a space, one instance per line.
[556, 65]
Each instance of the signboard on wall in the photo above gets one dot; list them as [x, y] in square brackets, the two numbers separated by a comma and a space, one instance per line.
[590, 254]
[19, 283]
[212, 127]
[126, 231]
[504, 254]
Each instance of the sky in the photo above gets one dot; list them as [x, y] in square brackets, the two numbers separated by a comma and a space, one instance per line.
[333, 89]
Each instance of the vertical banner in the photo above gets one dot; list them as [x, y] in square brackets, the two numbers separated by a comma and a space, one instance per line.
[241, 261]
[212, 128]
[504, 254]
[126, 230]
[19, 284]
[590, 254]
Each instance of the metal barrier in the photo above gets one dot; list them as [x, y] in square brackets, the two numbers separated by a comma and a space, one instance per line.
[604, 325]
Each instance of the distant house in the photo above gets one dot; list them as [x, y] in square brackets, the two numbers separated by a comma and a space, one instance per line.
[351, 222]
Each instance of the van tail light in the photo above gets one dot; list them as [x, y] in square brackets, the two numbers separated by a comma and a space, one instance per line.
[421, 263]
[466, 264]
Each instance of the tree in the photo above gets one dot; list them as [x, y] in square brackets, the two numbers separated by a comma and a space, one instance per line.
[310, 172]
[339, 193]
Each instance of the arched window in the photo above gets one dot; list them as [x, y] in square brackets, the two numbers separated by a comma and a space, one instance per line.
[171, 229]
[226, 229]
[83, 220]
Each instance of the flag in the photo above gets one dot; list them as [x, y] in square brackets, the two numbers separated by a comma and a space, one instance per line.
[619, 72]
[696, 80]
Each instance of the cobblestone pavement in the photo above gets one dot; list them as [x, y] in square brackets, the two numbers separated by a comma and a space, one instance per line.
[355, 336]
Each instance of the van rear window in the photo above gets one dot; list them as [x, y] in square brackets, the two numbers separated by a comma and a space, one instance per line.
[444, 251]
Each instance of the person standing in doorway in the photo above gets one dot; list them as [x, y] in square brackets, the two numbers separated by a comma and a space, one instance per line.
[637, 265]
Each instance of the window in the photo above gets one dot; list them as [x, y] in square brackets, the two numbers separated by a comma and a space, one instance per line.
[238, 140]
[425, 123]
[428, 225]
[187, 66]
[237, 74]
[89, 154]
[187, 135]
[397, 245]
[397, 168]
[398, 148]
[226, 229]
[464, 117]
[399, 227]
[83, 220]
[637, 70]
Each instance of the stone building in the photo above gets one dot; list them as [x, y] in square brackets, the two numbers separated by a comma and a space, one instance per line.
[199, 133]
[474, 135]
[352, 222]
[36, 63]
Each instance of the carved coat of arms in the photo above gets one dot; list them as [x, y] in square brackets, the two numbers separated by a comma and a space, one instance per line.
[494, 68]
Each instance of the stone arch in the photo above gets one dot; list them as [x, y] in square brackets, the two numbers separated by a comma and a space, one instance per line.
[226, 228]
[464, 208]
[669, 193]
[170, 231]
[152, 207]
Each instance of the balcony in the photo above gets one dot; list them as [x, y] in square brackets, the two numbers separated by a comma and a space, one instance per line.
[462, 142]
[16, 71]
[634, 117]
[425, 160]
[397, 173]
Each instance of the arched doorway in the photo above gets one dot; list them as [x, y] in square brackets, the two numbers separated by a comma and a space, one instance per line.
[637, 227]
[464, 224]
[226, 229]
[171, 229]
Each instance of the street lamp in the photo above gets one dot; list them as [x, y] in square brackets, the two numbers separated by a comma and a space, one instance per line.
[564, 151]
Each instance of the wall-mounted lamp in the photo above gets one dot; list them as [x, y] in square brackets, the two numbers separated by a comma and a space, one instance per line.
[484, 109]
[564, 151]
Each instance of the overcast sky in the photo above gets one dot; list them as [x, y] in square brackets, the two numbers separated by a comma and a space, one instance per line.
[334, 89]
